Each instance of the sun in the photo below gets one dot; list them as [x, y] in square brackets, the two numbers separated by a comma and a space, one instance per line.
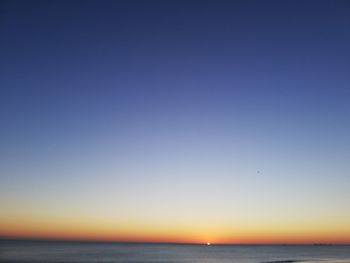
[208, 244]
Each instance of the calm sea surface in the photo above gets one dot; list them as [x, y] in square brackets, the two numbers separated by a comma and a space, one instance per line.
[69, 252]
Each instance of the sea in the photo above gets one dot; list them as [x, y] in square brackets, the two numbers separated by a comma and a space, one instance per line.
[85, 252]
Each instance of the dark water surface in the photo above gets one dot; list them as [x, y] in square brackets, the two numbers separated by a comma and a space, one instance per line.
[74, 252]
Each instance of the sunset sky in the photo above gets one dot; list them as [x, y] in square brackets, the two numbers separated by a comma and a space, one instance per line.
[175, 121]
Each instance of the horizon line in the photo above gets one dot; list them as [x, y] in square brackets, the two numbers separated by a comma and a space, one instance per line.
[4, 239]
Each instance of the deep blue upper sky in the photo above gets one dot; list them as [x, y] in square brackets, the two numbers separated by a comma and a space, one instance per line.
[76, 63]
[230, 87]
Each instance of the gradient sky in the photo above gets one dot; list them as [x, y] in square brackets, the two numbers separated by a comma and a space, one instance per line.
[175, 121]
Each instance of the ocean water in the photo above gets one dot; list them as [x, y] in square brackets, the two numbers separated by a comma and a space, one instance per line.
[74, 252]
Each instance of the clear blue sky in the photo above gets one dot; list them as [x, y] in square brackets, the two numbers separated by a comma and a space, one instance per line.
[176, 111]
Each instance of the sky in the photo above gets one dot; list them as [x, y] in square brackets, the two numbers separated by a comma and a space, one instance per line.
[175, 121]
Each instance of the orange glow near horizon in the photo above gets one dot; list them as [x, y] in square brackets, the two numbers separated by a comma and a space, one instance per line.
[92, 231]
